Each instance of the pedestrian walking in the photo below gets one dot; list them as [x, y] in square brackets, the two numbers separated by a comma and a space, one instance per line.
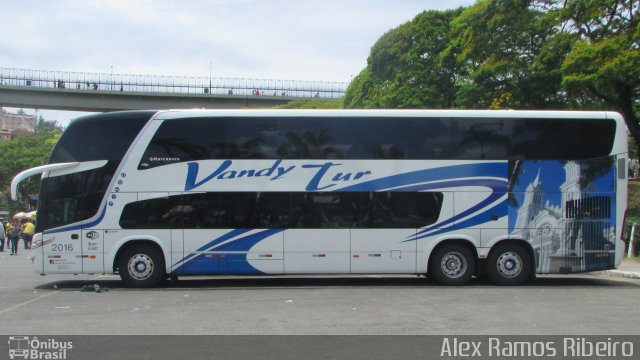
[13, 231]
[8, 235]
[2, 236]
[27, 233]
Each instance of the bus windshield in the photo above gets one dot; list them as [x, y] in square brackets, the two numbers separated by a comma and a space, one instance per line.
[74, 197]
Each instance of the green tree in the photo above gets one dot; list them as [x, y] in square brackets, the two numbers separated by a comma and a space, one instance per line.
[521, 54]
[509, 54]
[604, 63]
[26, 151]
[493, 54]
[405, 69]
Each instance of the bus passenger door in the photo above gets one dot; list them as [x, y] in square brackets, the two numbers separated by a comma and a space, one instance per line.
[92, 251]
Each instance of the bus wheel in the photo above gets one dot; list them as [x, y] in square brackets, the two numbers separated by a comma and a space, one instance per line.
[509, 264]
[452, 264]
[141, 266]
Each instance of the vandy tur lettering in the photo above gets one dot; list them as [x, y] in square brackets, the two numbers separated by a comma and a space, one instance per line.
[322, 178]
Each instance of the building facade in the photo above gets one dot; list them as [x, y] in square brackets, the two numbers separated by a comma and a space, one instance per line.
[11, 123]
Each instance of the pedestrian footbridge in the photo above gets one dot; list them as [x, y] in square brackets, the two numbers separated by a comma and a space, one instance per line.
[76, 91]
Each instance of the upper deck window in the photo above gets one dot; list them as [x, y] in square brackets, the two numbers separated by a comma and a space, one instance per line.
[192, 139]
[99, 137]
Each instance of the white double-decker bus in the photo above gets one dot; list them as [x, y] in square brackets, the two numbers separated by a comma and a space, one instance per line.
[450, 194]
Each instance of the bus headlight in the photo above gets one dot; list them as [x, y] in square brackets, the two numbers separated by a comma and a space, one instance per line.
[38, 241]
[36, 244]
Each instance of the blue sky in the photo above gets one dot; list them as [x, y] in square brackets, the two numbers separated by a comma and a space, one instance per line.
[326, 40]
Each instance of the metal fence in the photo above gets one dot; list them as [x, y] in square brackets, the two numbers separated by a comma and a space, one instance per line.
[109, 82]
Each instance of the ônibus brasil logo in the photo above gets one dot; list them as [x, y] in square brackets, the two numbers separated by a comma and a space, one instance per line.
[25, 347]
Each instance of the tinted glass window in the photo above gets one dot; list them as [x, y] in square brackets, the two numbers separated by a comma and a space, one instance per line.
[404, 209]
[99, 137]
[71, 198]
[378, 138]
[329, 210]
[549, 139]
[158, 213]
[334, 210]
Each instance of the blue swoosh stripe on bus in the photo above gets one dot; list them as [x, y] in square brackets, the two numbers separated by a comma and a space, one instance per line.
[491, 198]
[241, 244]
[247, 242]
[493, 170]
[224, 237]
[232, 264]
[208, 246]
[410, 182]
[476, 220]
[497, 187]
[212, 243]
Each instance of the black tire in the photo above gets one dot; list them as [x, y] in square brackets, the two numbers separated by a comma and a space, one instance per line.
[142, 266]
[509, 264]
[452, 264]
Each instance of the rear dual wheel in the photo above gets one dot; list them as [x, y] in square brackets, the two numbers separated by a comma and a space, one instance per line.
[509, 264]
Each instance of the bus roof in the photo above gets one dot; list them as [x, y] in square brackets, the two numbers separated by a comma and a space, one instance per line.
[173, 114]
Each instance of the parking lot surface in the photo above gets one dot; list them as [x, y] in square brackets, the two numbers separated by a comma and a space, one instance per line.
[312, 305]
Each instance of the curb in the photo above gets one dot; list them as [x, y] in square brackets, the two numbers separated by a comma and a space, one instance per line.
[621, 273]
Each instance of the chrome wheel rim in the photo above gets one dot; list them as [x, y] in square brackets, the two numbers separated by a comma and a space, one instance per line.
[140, 266]
[453, 264]
[509, 264]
